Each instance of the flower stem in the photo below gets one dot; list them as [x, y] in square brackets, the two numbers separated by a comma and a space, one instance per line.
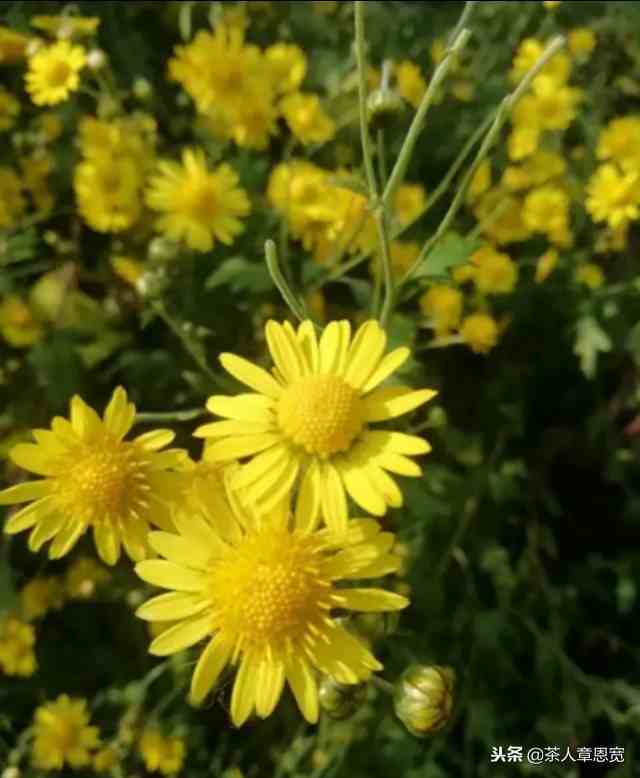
[271, 255]
[169, 416]
[402, 163]
[383, 685]
[500, 118]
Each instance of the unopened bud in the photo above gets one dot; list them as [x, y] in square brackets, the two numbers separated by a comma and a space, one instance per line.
[152, 283]
[142, 89]
[340, 700]
[96, 59]
[162, 250]
[423, 698]
[384, 107]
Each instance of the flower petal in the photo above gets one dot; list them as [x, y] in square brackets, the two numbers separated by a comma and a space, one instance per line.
[66, 539]
[156, 439]
[243, 446]
[308, 500]
[29, 490]
[181, 636]
[243, 407]
[365, 353]
[211, 663]
[168, 575]
[270, 680]
[370, 600]
[392, 401]
[361, 490]
[333, 500]
[387, 365]
[304, 687]
[180, 550]
[34, 458]
[243, 696]
[251, 375]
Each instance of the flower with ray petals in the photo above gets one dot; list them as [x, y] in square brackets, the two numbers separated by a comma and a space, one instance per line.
[63, 735]
[312, 420]
[94, 478]
[260, 589]
[54, 72]
[197, 205]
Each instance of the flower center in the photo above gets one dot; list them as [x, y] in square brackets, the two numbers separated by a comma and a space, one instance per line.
[201, 202]
[104, 483]
[269, 589]
[58, 74]
[321, 413]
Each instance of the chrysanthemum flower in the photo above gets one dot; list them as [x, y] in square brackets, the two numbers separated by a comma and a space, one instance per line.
[411, 85]
[495, 273]
[480, 332]
[613, 196]
[17, 639]
[312, 419]
[261, 590]
[408, 203]
[199, 206]
[12, 46]
[443, 304]
[63, 735]
[41, 595]
[94, 478]
[109, 193]
[161, 754]
[306, 118]
[66, 26]
[288, 65]
[54, 72]
[620, 142]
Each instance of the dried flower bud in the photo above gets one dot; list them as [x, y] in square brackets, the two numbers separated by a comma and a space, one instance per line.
[340, 700]
[423, 698]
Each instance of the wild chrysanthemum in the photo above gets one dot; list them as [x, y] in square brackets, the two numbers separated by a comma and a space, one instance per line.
[411, 84]
[54, 72]
[495, 273]
[94, 478]
[312, 419]
[161, 754]
[12, 46]
[198, 206]
[614, 196]
[66, 26]
[288, 66]
[480, 332]
[63, 735]
[306, 118]
[443, 304]
[620, 142]
[108, 193]
[261, 590]
[40, 595]
[18, 325]
[17, 639]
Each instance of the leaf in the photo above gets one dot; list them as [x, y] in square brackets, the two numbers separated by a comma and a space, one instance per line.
[591, 340]
[240, 275]
[451, 250]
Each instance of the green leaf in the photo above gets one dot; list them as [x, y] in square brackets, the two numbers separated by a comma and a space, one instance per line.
[591, 340]
[240, 275]
[452, 250]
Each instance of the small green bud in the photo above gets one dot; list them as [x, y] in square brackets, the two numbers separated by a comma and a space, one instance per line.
[384, 107]
[152, 284]
[142, 89]
[340, 700]
[423, 698]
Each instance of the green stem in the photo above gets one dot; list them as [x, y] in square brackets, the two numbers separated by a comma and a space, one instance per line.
[271, 255]
[400, 168]
[500, 118]
[462, 21]
[383, 685]
[367, 152]
[169, 416]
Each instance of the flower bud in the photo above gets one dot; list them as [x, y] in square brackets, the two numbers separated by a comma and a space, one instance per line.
[142, 89]
[152, 283]
[162, 250]
[384, 107]
[340, 700]
[423, 698]
[375, 626]
[96, 59]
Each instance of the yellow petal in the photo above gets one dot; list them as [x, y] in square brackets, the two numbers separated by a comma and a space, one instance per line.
[243, 407]
[156, 439]
[245, 446]
[30, 490]
[170, 576]
[119, 413]
[66, 539]
[107, 543]
[267, 499]
[398, 442]
[329, 348]
[260, 467]
[84, 420]
[34, 458]
[270, 680]
[344, 657]
[386, 486]
[309, 347]
[285, 354]
[361, 491]
[180, 550]
[388, 365]
[308, 500]
[244, 692]
[370, 600]
[211, 663]
[223, 429]
[44, 530]
[392, 401]
[172, 606]
[183, 635]
[398, 464]
[26, 517]
[304, 688]
[365, 353]
[333, 500]
[251, 375]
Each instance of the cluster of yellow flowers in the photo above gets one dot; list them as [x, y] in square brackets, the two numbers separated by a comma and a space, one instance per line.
[243, 551]
[17, 639]
[240, 91]
[331, 219]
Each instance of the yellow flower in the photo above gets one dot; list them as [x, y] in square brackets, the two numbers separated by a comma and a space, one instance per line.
[54, 72]
[480, 332]
[403, 254]
[443, 304]
[546, 210]
[17, 639]
[462, 274]
[540, 167]
[83, 577]
[219, 71]
[161, 754]
[128, 269]
[411, 84]
[12, 46]
[582, 41]
[523, 141]
[9, 109]
[62, 734]
[546, 265]
[529, 52]
[261, 589]
[408, 203]
[12, 202]
[613, 196]
[288, 65]
[620, 142]
[306, 119]
[312, 419]
[105, 759]
[480, 182]
[590, 275]
[551, 106]
[93, 478]
[501, 216]
[108, 193]
[18, 325]
[39, 596]
[198, 205]
[65, 26]
[495, 273]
